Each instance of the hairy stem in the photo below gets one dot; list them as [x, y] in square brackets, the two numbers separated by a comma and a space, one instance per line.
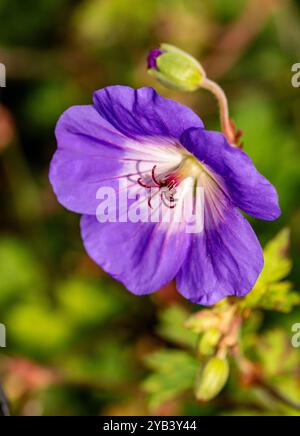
[218, 92]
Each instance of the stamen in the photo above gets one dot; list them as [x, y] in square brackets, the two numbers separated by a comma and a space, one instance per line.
[143, 185]
[149, 202]
[154, 177]
[168, 205]
[165, 185]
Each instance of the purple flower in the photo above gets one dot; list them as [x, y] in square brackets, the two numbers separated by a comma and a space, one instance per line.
[139, 135]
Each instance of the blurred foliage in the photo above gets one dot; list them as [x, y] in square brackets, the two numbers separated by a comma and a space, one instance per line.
[78, 342]
[175, 372]
[270, 292]
[171, 327]
[231, 330]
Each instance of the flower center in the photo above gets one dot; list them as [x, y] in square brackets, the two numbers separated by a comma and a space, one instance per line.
[167, 182]
[190, 167]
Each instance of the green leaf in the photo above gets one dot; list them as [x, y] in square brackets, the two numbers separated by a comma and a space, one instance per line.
[279, 297]
[276, 353]
[174, 372]
[270, 292]
[278, 265]
[172, 327]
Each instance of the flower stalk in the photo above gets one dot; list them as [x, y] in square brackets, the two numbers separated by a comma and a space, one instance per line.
[176, 69]
[227, 125]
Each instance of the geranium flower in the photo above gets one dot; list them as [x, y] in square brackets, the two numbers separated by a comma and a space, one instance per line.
[138, 135]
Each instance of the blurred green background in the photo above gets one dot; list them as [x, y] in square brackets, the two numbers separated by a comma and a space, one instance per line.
[76, 339]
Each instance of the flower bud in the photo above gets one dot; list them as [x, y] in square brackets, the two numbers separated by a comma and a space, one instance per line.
[212, 379]
[201, 321]
[175, 68]
[209, 341]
